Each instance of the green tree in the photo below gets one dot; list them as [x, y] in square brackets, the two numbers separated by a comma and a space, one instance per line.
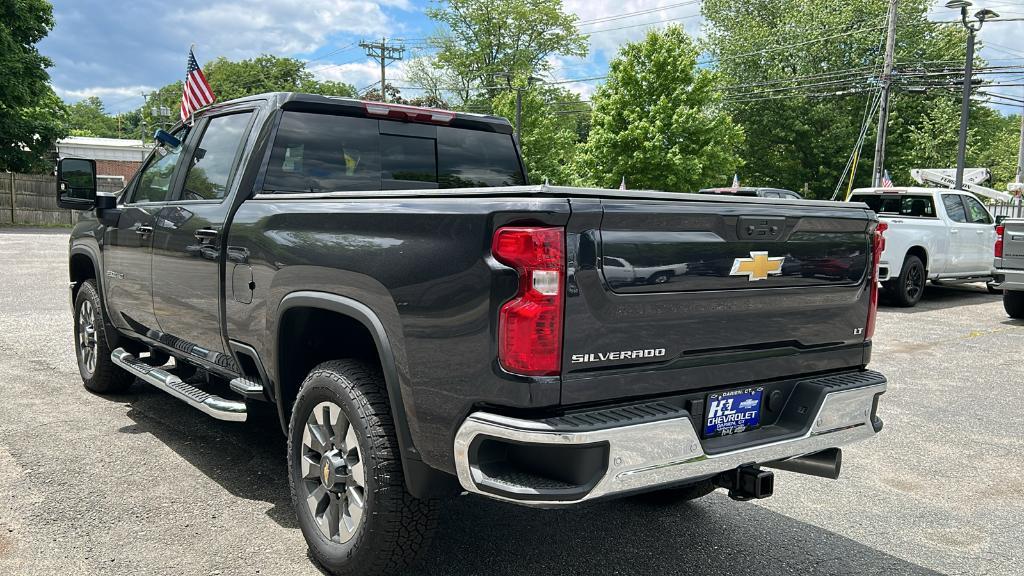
[235, 79]
[801, 72]
[658, 121]
[32, 118]
[485, 38]
[550, 132]
[88, 118]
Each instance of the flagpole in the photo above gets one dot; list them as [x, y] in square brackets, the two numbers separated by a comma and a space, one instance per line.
[853, 172]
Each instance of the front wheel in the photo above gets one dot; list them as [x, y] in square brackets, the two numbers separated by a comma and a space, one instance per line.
[1013, 303]
[99, 373]
[346, 475]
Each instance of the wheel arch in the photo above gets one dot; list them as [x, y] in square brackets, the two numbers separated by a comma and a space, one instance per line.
[345, 313]
[921, 252]
[84, 264]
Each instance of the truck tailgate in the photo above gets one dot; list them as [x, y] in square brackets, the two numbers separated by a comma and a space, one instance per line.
[1013, 244]
[676, 295]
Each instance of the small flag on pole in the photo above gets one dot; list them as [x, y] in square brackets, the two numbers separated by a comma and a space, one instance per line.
[623, 185]
[197, 92]
[886, 180]
[735, 180]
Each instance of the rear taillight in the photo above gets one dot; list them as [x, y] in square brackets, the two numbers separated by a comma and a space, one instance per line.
[999, 240]
[530, 325]
[877, 246]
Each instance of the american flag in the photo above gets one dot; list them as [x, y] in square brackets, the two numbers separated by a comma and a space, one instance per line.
[735, 181]
[623, 185]
[886, 180]
[197, 92]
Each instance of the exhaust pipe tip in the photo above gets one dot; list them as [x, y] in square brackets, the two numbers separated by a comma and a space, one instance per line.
[824, 464]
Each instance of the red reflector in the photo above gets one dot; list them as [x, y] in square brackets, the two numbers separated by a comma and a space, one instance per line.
[530, 325]
[877, 246]
[1000, 230]
[413, 113]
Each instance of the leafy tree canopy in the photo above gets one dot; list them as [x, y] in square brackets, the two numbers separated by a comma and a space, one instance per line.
[487, 38]
[31, 115]
[658, 121]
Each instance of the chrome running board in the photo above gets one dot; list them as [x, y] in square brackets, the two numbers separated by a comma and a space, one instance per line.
[215, 406]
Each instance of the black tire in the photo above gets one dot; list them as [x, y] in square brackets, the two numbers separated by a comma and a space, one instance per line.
[660, 278]
[1013, 303]
[907, 289]
[99, 373]
[392, 527]
[679, 494]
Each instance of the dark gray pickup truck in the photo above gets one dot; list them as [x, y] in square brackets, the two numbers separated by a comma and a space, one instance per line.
[1009, 265]
[426, 323]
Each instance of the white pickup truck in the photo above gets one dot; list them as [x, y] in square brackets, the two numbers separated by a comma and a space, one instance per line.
[934, 234]
[1010, 266]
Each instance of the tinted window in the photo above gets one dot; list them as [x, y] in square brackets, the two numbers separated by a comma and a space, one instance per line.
[405, 158]
[214, 157]
[155, 178]
[976, 213]
[317, 152]
[468, 158]
[769, 194]
[954, 207]
[903, 205]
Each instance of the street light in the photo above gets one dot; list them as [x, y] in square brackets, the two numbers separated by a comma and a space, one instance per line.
[965, 111]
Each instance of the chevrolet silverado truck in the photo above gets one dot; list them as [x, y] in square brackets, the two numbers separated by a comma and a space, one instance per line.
[935, 234]
[424, 322]
[1009, 265]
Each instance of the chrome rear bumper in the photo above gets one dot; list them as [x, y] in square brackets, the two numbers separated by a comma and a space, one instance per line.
[651, 454]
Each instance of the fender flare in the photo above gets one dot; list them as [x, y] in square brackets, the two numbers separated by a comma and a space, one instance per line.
[112, 334]
[421, 480]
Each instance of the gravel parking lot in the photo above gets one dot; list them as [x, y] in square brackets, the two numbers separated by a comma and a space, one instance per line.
[142, 484]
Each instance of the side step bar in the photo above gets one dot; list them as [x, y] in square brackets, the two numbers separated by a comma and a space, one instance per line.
[219, 408]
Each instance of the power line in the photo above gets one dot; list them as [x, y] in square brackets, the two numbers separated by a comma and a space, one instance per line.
[636, 13]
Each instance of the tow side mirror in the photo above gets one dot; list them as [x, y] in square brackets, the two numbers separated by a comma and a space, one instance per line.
[1000, 219]
[76, 184]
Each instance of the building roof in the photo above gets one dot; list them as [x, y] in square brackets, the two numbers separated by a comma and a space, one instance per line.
[100, 142]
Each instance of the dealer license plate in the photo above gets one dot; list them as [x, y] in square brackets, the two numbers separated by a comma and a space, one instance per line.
[732, 412]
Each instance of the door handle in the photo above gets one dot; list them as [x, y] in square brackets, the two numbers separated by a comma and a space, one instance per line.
[954, 231]
[143, 230]
[205, 235]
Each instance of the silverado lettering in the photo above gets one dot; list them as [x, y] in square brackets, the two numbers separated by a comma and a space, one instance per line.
[623, 355]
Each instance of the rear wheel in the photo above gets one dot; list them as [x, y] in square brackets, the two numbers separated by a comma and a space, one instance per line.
[346, 475]
[907, 289]
[99, 373]
[1013, 303]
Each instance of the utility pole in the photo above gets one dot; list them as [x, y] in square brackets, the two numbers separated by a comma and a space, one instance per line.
[1020, 153]
[883, 111]
[381, 52]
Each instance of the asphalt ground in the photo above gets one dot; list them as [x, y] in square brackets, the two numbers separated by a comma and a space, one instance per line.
[142, 484]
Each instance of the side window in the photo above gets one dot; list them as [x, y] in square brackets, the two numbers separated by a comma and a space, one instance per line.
[770, 195]
[210, 169]
[976, 212]
[155, 178]
[954, 207]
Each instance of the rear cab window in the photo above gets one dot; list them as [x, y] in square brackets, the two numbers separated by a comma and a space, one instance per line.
[910, 205]
[315, 152]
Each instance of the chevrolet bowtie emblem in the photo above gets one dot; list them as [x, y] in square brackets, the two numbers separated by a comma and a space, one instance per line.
[758, 267]
[326, 471]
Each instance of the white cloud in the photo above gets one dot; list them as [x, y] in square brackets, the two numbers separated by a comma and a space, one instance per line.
[358, 74]
[244, 28]
[111, 94]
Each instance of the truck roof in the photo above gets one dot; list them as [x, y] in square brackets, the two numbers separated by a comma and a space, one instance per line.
[353, 107]
[907, 190]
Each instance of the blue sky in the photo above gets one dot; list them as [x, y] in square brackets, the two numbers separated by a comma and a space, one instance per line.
[116, 49]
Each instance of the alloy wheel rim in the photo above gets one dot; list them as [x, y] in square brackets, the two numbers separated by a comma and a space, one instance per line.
[333, 478]
[914, 282]
[87, 336]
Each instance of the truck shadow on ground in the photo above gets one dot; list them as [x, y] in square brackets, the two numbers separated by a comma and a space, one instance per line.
[942, 297]
[477, 536]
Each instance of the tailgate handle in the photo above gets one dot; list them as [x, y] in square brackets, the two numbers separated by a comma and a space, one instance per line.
[760, 228]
